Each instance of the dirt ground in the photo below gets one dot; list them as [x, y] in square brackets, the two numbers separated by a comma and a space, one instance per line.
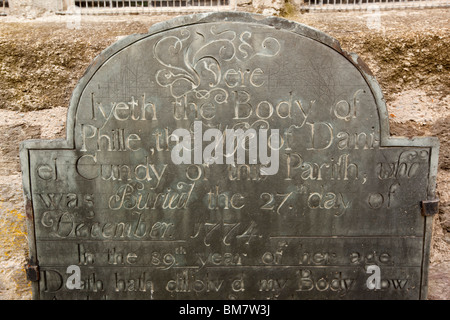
[41, 61]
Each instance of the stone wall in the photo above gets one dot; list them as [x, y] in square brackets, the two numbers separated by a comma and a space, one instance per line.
[269, 7]
[33, 8]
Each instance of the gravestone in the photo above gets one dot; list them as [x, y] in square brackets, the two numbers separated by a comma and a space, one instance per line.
[146, 198]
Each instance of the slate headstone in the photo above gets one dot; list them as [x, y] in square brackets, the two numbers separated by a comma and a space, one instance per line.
[139, 202]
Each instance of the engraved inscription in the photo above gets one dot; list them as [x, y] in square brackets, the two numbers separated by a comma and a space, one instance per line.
[236, 158]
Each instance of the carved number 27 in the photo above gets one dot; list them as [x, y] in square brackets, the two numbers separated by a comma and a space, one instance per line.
[271, 202]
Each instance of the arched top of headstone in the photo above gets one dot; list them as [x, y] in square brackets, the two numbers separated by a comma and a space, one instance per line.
[239, 22]
[298, 51]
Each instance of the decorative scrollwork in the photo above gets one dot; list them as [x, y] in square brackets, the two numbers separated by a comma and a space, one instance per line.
[192, 61]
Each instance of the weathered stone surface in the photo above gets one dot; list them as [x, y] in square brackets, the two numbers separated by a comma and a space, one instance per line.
[344, 196]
